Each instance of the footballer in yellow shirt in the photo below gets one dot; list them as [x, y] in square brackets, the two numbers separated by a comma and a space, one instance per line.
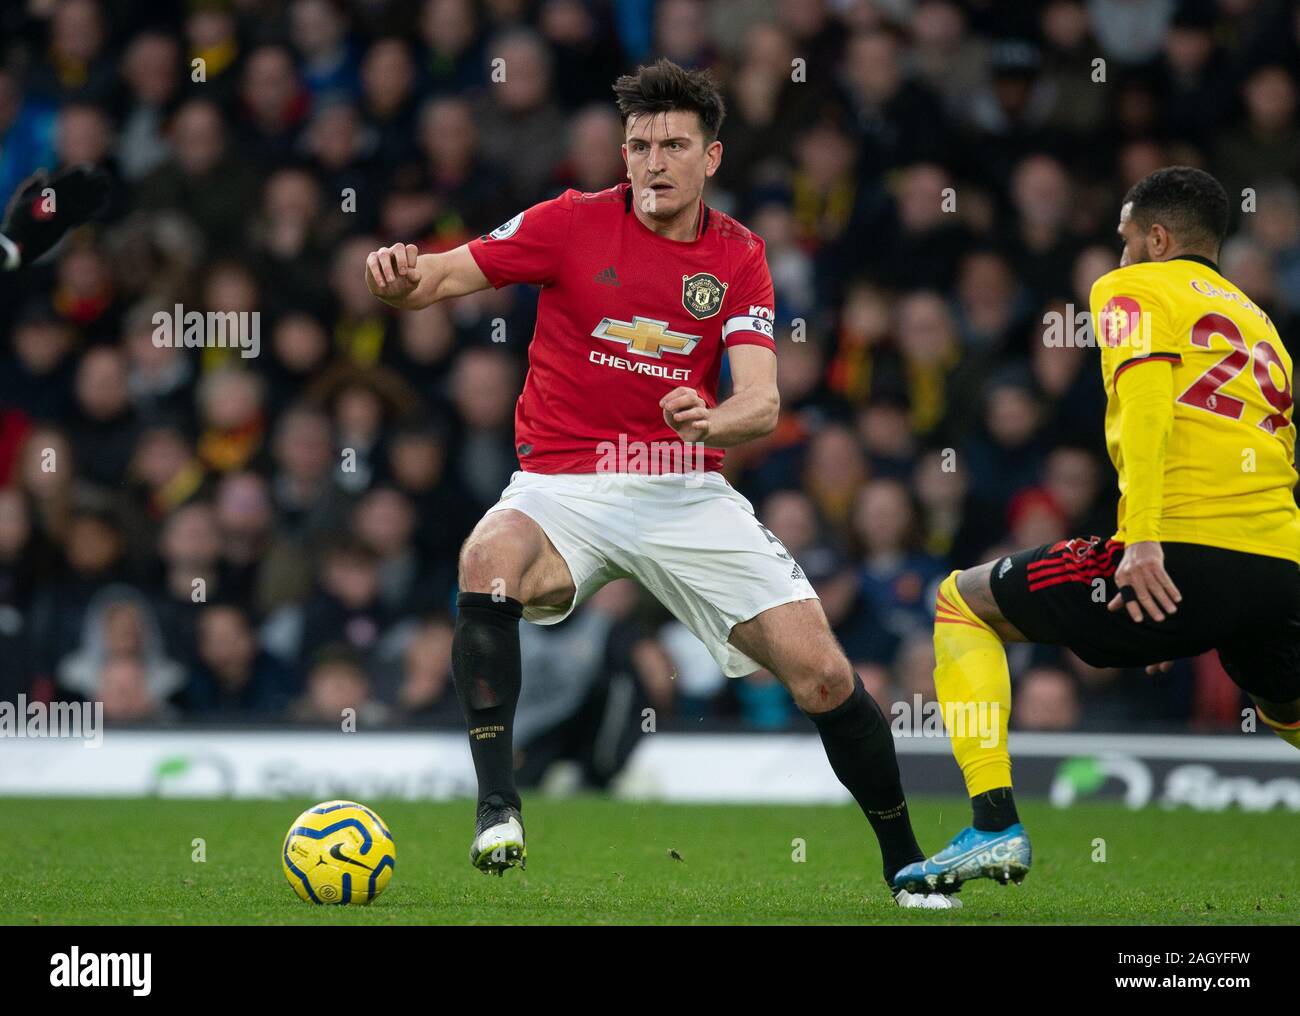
[1206, 553]
[1217, 378]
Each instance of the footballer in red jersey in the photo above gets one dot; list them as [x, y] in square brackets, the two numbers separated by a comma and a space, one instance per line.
[620, 436]
[669, 309]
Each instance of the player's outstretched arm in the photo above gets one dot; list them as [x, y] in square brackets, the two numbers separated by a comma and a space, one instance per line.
[749, 413]
[45, 208]
[406, 279]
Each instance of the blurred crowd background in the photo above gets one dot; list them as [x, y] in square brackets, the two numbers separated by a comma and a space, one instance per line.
[179, 535]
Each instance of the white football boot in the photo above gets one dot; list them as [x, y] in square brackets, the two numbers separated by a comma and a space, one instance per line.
[498, 840]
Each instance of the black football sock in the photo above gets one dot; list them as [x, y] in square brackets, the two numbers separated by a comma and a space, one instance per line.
[860, 748]
[994, 810]
[487, 673]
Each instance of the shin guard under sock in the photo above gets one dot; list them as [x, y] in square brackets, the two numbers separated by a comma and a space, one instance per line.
[487, 673]
[860, 748]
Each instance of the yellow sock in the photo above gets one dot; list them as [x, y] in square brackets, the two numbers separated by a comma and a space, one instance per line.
[974, 689]
[1289, 732]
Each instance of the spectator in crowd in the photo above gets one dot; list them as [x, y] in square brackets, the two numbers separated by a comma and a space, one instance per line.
[93, 553]
[468, 188]
[442, 513]
[836, 470]
[385, 522]
[121, 655]
[482, 386]
[290, 240]
[125, 691]
[164, 474]
[897, 577]
[151, 67]
[20, 564]
[36, 377]
[202, 178]
[452, 40]
[914, 667]
[160, 376]
[424, 691]
[521, 115]
[587, 689]
[308, 503]
[345, 607]
[103, 426]
[232, 419]
[318, 30]
[300, 349]
[249, 552]
[232, 678]
[389, 100]
[1006, 453]
[189, 550]
[78, 65]
[27, 122]
[338, 692]
[1046, 699]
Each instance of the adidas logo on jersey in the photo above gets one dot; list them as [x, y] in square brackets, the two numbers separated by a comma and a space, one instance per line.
[608, 277]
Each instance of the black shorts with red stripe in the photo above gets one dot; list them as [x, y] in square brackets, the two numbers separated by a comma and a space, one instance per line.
[1247, 606]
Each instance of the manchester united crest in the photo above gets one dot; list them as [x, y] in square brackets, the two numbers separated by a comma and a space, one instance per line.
[702, 294]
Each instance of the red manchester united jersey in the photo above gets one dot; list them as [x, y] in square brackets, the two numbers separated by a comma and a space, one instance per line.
[624, 317]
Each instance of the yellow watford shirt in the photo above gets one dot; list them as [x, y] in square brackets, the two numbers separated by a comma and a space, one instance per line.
[1228, 434]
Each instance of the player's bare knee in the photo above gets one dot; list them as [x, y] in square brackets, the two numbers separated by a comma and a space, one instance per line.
[477, 568]
[973, 585]
[823, 682]
[976, 588]
[491, 562]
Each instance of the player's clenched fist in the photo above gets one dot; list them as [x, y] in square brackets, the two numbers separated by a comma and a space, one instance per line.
[687, 413]
[391, 272]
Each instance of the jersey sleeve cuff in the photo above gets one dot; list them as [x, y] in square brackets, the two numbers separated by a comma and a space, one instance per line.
[1133, 361]
[485, 264]
[750, 339]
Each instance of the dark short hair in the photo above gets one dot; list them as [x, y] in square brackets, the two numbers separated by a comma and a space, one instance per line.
[1188, 202]
[347, 547]
[337, 653]
[663, 86]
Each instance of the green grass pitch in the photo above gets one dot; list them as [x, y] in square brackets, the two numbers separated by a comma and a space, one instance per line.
[608, 862]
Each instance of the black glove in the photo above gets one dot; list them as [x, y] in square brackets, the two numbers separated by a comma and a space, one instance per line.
[32, 227]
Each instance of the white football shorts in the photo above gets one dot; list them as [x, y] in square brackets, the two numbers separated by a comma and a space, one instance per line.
[690, 539]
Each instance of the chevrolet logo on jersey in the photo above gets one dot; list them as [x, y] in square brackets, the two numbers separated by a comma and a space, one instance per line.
[646, 336]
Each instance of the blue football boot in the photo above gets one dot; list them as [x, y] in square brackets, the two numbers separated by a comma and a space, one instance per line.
[1002, 856]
